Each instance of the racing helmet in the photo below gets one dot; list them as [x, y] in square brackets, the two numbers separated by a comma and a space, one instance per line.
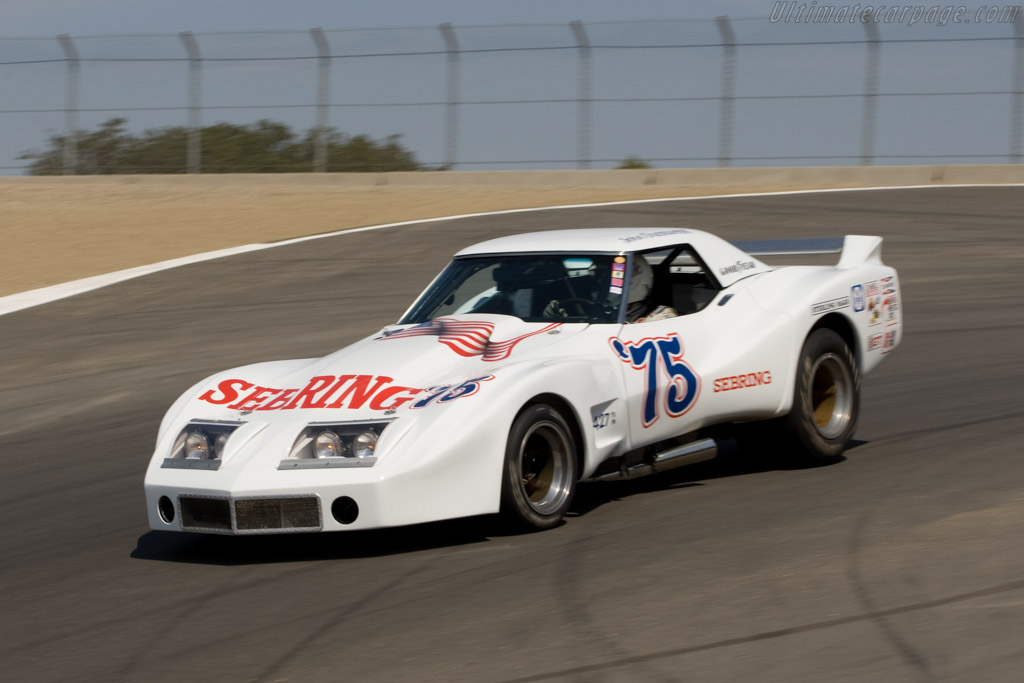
[641, 281]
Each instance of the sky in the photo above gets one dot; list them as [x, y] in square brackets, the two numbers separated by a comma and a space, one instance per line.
[85, 17]
[941, 102]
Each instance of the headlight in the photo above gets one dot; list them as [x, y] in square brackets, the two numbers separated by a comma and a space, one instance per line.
[364, 445]
[201, 445]
[327, 444]
[197, 446]
[339, 444]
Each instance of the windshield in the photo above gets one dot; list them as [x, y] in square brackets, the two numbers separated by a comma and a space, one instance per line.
[534, 287]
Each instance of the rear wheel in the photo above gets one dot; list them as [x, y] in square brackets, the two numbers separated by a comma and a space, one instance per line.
[539, 479]
[826, 398]
[826, 402]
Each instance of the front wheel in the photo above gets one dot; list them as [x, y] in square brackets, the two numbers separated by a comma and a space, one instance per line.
[539, 478]
[826, 399]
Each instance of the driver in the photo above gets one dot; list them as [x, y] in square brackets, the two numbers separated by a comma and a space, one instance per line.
[641, 309]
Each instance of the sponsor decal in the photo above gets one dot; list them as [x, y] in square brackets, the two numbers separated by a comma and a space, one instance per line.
[649, 235]
[830, 305]
[620, 259]
[619, 267]
[874, 310]
[751, 379]
[857, 295]
[350, 392]
[871, 288]
[889, 341]
[670, 384]
[888, 285]
[341, 392]
[738, 267]
[603, 420]
[466, 337]
[447, 393]
[615, 290]
[882, 309]
[874, 341]
[892, 305]
[616, 282]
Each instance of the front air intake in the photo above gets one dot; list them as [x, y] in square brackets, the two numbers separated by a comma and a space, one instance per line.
[278, 514]
[205, 514]
[285, 514]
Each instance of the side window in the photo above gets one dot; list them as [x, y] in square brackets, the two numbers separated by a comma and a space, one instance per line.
[677, 283]
[691, 285]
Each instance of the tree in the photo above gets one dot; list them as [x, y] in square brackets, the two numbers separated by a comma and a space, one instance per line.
[95, 152]
[262, 147]
[633, 162]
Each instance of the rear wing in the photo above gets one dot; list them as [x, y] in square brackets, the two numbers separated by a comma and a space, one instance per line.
[854, 250]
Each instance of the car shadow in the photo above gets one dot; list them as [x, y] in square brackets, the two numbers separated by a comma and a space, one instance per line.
[166, 546]
[731, 462]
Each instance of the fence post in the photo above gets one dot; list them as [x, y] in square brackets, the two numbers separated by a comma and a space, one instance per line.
[323, 94]
[728, 90]
[194, 102]
[867, 143]
[70, 104]
[579, 32]
[451, 128]
[1017, 112]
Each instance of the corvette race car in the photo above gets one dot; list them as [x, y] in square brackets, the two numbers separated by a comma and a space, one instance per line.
[530, 364]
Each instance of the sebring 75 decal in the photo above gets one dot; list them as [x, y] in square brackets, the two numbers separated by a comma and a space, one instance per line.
[350, 392]
[448, 392]
[751, 379]
[669, 382]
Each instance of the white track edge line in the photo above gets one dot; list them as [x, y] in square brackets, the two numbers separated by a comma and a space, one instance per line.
[44, 295]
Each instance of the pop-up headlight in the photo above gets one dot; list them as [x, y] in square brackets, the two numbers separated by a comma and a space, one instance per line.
[201, 445]
[340, 444]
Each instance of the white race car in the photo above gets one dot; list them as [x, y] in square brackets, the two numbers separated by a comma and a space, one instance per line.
[530, 364]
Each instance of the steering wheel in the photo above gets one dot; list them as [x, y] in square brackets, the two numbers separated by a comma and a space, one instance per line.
[585, 306]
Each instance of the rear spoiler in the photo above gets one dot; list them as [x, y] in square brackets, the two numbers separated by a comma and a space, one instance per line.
[856, 249]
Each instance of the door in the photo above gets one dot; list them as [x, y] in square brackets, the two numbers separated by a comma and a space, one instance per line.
[662, 386]
[661, 376]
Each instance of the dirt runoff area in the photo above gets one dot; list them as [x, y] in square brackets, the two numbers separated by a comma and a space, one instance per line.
[55, 230]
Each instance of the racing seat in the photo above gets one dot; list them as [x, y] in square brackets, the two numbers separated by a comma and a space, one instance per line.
[691, 293]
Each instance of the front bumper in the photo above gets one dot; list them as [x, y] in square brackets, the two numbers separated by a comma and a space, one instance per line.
[415, 480]
[210, 511]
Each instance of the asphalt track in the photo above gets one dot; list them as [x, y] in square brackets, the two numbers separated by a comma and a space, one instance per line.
[904, 562]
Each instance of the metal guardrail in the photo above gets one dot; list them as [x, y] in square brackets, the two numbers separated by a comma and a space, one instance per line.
[592, 54]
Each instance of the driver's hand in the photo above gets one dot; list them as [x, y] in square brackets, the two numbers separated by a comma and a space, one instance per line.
[555, 310]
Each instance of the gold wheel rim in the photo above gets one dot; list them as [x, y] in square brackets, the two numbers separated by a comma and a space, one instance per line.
[831, 395]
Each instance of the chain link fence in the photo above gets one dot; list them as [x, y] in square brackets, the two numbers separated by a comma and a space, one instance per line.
[746, 92]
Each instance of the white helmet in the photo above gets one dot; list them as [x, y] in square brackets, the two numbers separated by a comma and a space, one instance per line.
[642, 280]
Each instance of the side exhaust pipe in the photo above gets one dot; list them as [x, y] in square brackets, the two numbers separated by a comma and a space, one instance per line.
[687, 454]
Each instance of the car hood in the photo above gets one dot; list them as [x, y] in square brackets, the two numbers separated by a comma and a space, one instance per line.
[399, 367]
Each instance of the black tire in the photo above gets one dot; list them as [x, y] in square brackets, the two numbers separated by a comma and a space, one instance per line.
[826, 404]
[826, 399]
[540, 473]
